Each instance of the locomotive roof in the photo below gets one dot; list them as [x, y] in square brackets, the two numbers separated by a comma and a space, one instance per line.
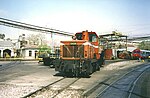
[88, 32]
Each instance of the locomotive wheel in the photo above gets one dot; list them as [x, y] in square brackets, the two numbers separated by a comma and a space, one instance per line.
[86, 74]
[97, 67]
[94, 67]
[76, 72]
[65, 73]
[91, 69]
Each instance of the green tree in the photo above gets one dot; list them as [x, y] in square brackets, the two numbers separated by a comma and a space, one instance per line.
[145, 45]
[44, 49]
[2, 36]
[39, 40]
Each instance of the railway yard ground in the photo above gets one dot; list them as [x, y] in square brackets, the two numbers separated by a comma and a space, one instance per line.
[116, 79]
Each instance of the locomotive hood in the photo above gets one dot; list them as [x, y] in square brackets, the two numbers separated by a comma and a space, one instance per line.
[73, 42]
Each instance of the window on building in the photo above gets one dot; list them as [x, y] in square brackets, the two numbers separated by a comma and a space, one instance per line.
[30, 53]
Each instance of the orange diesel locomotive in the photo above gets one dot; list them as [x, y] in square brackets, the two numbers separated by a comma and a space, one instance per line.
[80, 55]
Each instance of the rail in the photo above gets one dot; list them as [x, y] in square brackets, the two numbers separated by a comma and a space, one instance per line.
[139, 71]
[45, 88]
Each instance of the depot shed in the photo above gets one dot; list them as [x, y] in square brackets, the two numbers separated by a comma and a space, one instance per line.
[6, 49]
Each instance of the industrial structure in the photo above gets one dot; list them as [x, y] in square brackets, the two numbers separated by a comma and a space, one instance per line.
[112, 43]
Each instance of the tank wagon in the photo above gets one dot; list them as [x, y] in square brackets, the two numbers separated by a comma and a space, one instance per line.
[80, 55]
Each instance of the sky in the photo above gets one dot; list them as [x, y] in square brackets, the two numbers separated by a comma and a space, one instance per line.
[131, 17]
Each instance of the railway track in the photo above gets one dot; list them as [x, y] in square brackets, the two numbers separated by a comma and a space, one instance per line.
[9, 65]
[131, 92]
[54, 89]
[119, 86]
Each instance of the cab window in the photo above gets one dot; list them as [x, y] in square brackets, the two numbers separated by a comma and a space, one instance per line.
[92, 38]
[79, 36]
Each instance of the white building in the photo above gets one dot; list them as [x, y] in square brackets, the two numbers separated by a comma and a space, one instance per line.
[30, 52]
[6, 49]
[20, 48]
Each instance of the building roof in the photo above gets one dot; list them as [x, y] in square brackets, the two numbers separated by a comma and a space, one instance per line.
[6, 44]
[31, 47]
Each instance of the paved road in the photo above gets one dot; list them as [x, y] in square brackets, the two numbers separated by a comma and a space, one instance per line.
[27, 76]
[24, 77]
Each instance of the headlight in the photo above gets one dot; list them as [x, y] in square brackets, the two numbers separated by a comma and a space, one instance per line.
[149, 57]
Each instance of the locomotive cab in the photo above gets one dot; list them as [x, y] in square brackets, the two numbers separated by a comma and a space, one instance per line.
[80, 55]
[91, 39]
